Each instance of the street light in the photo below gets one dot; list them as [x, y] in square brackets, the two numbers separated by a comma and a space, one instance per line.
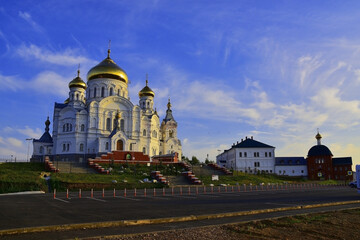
[27, 156]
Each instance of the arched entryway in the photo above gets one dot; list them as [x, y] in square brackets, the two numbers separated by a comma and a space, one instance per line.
[120, 145]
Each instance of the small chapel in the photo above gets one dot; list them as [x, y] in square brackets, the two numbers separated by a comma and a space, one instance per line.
[98, 117]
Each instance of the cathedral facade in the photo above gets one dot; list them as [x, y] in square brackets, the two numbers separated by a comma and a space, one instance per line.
[98, 117]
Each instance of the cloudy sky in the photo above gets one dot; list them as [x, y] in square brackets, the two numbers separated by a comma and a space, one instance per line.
[275, 70]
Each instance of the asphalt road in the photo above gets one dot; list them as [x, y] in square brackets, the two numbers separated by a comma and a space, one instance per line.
[43, 210]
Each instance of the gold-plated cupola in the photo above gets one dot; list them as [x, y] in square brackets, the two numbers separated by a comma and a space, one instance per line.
[107, 69]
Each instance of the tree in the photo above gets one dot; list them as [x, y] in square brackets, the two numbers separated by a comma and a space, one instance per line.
[207, 161]
[194, 161]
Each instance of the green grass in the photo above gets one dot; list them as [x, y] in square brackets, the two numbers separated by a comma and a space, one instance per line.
[16, 177]
[244, 178]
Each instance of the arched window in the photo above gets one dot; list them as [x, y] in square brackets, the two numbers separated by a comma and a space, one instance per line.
[114, 123]
[144, 150]
[64, 128]
[102, 92]
[148, 104]
[81, 147]
[154, 134]
[108, 127]
[77, 96]
[111, 91]
[64, 147]
[82, 127]
[122, 124]
[70, 127]
[67, 127]
[94, 92]
[67, 147]
[171, 133]
[144, 133]
[41, 150]
[106, 146]
[94, 123]
[118, 92]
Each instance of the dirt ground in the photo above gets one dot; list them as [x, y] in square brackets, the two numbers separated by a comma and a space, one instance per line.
[332, 225]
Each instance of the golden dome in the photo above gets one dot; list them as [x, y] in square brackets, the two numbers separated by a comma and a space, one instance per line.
[77, 82]
[146, 91]
[107, 69]
[318, 136]
[67, 101]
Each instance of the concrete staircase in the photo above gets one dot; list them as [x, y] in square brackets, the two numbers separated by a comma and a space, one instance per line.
[71, 167]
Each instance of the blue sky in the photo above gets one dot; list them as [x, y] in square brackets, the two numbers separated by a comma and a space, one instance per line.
[275, 70]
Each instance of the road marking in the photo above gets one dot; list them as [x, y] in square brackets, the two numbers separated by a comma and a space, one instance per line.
[128, 198]
[96, 199]
[61, 200]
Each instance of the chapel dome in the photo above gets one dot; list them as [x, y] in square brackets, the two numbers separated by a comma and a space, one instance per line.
[77, 82]
[107, 69]
[146, 91]
[319, 150]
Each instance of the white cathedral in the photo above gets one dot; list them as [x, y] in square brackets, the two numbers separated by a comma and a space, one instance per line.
[98, 117]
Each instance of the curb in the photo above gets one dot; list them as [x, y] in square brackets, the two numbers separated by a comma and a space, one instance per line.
[22, 193]
[123, 223]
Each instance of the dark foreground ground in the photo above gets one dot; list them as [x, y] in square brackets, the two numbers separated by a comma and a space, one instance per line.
[332, 225]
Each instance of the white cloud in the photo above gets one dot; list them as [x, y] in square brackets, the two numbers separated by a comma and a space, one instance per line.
[69, 57]
[14, 142]
[27, 17]
[29, 132]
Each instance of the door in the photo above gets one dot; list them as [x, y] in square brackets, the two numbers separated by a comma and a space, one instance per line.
[120, 145]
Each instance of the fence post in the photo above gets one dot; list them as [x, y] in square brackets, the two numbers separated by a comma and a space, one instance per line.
[114, 192]
[92, 193]
[67, 193]
[125, 192]
[103, 193]
[135, 192]
[144, 192]
[80, 193]
[54, 193]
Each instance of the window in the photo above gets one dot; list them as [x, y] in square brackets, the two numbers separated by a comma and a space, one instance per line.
[114, 123]
[131, 146]
[171, 133]
[111, 91]
[269, 154]
[144, 133]
[82, 127]
[302, 171]
[41, 150]
[298, 162]
[77, 96]
[67, 147]
[240, 154]
[154, 134]
[293, 171]
[118, 92]
[81, 147]
[108, 124]
[94, 92]
[122, 124]
[64, 147]
[245, 154]
[70, 127]
[265, 154]
[144, 150]
[64, 128]
[89, 93]
[254, 154]
[106, 146]
[102, 92]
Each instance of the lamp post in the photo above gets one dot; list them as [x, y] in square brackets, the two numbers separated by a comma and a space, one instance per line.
[28, 140]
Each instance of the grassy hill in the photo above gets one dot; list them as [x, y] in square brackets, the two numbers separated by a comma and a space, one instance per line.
[15, 177]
